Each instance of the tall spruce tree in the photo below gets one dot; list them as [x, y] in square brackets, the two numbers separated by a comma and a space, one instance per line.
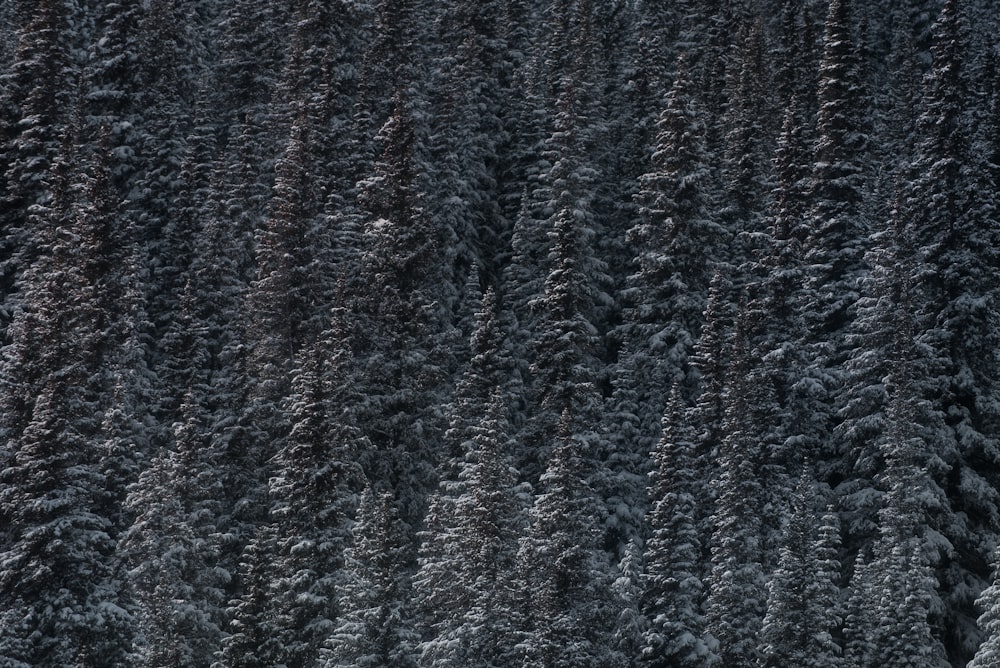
[315, 482]
[567, 602]
[172, 548]
[58, 554]
[374, 628]
[736, 598]
[467, 561]
[676, 240]
[672, 589]
[988, 603]
[38, 96]
[803, 603]
[837, 224]
[954, 226]
[902, 572]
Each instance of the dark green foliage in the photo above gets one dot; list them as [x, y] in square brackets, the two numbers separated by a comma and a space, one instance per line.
[258, 255]
[672, 589]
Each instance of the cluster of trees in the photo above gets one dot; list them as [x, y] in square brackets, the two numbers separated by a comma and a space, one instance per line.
[494, 333]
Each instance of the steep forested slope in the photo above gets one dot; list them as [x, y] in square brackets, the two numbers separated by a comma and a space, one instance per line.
[493, 333]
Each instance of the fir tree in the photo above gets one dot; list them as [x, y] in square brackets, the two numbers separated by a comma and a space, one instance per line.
[833, 251]
[374, 628]
[987, 602]
[676, 242]
[65, 605]
[467, 558]
[673, 591]
[860, 623]
[903, 571]
[803, 601]
[954, 226]
[313, 491]
[736, 600]
[38, 95]
[565, 588]
[172, 549]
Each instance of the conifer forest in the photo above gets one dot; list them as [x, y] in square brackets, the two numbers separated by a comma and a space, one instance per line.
[499, 334]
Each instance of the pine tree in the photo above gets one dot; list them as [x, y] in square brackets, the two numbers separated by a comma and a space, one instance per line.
[185, 362]
[38, 95]
[172, 549]
[802, 608]
[251, 54]
[736, 599]
[113, 97]
[470, 133]
[252, 638]
[316, 477]
[710, 360]
[566, 344]
[833, 251]
[400, 327]
[673, 590]
[64, 606]
[954, 225]
[280, 297]
[565, 587]
[374, 628]
[676, 242]
[627, 587]
[744, 166]
[860, 623]
[987, 602]
[903, 571]
[467, 559]
[889, 292]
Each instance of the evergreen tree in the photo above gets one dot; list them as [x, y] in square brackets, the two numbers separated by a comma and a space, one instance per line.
[890, 292]
[64, 607]
[172, 549]
[673, 591]
[38, 97]
[745, 162]
[251, 52]
[736, 599]
[631, 624]
[987, 602]
[903, 571]
[253, 636]
[279, 298]
[833, 251]
[710, 360]
[676, 242]
[860, 622]
[467, 559]
[374, 628]
[565, 587]
[113, 97]
[400, 327]
[803, 602]
[954, 226]
[470, 133]
[566, 345]
[313, 489]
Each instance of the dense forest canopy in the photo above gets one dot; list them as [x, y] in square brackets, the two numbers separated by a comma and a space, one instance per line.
[499, 333]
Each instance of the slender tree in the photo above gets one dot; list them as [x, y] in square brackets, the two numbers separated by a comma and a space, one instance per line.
[172, 549]
[65, 607]
[374, 628]
[803, 600]
[566, 589]
[673, 592]
[736, 598]
[989, 604]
